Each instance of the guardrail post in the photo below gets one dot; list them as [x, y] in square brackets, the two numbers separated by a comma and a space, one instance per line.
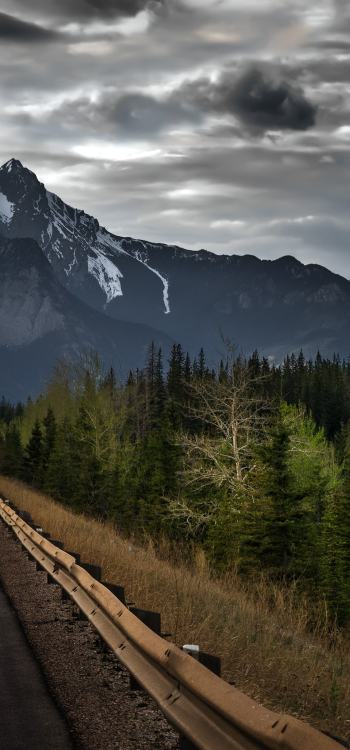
[213, 663]
[118, 591]
[64, 595]
[185, 744]
[25, 516]
[76, 555]
[50, 579]
[94, 570]
[341, 742]
[151, 619]
[210, 662]
[153, 622]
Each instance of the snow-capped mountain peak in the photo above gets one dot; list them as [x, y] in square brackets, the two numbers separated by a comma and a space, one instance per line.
[73, 241]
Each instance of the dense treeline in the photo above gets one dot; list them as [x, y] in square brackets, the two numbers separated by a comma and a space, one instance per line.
[250, 460]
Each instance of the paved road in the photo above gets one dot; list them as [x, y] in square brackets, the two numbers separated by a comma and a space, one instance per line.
[29, 719]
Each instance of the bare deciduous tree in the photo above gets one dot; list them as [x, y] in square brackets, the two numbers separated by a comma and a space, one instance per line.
[231, 417]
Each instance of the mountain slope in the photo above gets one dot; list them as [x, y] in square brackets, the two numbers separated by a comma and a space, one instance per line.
[194, 297]
[40, 322]
[87, 259]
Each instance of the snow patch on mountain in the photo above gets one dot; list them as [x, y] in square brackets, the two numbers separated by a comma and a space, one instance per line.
[8, 166]
[165, 288]
[6, 209]
[106, 239]
[100, 266]
[163, 279]
[62, 223]
[36, 205]
[106, 273]
[73, 263]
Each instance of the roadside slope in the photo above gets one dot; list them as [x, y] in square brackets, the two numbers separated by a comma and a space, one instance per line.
[263, 638]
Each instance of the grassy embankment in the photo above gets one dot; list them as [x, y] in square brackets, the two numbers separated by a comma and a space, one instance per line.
[261, 634]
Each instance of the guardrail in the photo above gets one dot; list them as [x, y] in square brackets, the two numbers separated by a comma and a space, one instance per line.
[205, 709]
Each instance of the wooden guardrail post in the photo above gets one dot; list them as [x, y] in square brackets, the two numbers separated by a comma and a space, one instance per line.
[94, 570]
[118, 591]
[213, 663]
[153, 622]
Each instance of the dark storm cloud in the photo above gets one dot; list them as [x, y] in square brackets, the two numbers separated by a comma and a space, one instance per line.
[87, 10]
[15, 30]
[259, 101]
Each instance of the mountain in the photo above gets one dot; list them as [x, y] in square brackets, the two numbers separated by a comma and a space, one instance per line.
[196, 298]
[40, 322]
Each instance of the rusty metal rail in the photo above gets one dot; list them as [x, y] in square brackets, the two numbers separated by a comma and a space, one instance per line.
[205, 709]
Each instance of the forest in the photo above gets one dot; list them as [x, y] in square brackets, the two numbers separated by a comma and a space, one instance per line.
[249, 460]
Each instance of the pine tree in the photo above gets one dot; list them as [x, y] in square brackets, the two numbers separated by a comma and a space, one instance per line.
[12, 452]
[49, 438]
[336, 567]
[188, 369]
[62, 466]
[283, 518]
[202, 368]
[110, 382]
[92, 481]
[176, 386]
[155, 389]
[33, 457]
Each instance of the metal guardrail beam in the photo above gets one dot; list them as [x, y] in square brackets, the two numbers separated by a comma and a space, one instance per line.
[205, 709]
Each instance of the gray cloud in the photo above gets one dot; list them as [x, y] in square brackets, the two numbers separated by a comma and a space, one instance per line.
[335, 45]
[142, 115]
[13, 29]
[137, 115]
[261, 102]
[264, 104]
[86, 10]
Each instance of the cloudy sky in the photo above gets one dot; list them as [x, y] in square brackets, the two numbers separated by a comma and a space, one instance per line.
[222, 124]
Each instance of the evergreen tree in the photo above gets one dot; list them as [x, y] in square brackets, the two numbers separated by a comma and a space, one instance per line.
[91, 497]
[12, 452]
[62, 465]
[49, 438]
[201, 369]
[336, 564]
[33, 457]
[283, 519]
[176, 386]
[187, 369]
[110, 382]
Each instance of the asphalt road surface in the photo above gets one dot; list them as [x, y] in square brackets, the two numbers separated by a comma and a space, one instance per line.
[29, 719]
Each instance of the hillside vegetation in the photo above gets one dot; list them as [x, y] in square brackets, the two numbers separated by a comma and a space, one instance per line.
[234, 485]
[250, 462]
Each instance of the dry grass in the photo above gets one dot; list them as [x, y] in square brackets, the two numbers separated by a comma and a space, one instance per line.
[263, 638]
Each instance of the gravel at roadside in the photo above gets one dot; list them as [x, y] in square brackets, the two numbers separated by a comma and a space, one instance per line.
[89, 685]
